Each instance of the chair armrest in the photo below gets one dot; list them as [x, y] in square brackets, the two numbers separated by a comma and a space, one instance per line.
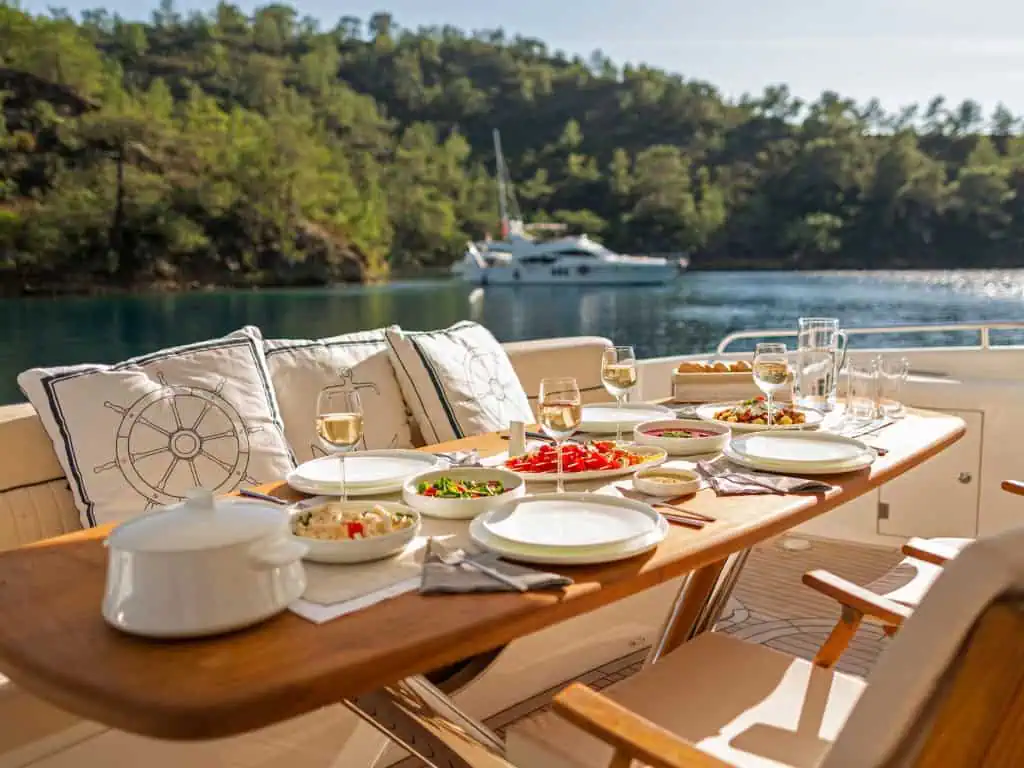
[1014, 486]
[627, 732]
[929, 551]
[857, 597]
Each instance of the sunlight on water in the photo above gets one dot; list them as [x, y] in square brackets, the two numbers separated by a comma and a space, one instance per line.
[690, 315]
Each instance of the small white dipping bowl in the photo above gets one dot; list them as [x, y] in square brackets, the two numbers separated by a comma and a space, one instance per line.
[462, 509]
[686, 481]
[684, 446]
[356, 550]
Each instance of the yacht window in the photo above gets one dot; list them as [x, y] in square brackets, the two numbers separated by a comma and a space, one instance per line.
[543, 259]
[578, 253]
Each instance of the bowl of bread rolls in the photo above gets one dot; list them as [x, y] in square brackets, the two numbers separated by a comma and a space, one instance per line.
[697, 381]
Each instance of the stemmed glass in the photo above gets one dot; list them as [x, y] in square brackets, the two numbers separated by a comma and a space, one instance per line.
[561, 410]
[339, 425]
[618, 374]
[771, 370]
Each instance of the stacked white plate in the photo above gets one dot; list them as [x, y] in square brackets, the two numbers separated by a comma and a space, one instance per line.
[802, 453]
[367, 473]
[607, 418]
[569, 529]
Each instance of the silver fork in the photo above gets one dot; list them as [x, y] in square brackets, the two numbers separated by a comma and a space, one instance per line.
[458, 558]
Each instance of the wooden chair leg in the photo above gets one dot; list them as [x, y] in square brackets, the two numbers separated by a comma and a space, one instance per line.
[840, 637]
[621, 759]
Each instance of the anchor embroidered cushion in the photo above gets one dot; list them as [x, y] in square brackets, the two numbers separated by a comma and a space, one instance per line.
[139, 434]
[457, 381]
[299, 369]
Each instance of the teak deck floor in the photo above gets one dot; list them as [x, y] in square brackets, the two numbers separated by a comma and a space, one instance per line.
[769, 606]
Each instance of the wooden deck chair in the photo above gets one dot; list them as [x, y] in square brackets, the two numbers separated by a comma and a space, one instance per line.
[947, 693]
[885, 599]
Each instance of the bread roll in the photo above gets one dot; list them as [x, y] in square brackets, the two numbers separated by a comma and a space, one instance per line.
[687, 367]
[741, 366]
[720, 367]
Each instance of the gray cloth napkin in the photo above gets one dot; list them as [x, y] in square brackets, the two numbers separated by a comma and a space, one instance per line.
[439, 578]
[731, 479]
[461, 458]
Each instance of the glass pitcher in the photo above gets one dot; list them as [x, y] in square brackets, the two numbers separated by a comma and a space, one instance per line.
[820, 356]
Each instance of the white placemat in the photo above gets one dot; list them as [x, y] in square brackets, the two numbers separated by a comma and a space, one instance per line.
[337, 590]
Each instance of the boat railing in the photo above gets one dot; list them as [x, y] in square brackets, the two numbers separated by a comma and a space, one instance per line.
[984, 329]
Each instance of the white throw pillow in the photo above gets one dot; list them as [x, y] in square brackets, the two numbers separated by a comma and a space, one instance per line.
[457, 381]
[354, 361]
[139, 434]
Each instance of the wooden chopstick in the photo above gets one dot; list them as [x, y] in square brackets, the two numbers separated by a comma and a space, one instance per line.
[688, 522]
[696, 515]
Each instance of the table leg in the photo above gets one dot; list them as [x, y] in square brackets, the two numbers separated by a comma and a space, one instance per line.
[699, 603]
[422, 719]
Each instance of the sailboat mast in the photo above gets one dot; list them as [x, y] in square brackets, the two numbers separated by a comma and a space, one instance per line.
[502, 172]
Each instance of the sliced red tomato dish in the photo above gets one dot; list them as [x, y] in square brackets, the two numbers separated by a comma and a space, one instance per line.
[576, 457]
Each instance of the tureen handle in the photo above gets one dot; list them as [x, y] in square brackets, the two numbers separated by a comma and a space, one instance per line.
[200, 500]
[277, 553]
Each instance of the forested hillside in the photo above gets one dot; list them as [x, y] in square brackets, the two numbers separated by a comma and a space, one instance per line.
[227, 149]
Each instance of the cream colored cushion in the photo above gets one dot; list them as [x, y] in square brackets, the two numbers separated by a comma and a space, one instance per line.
[575, 356]
[743, 703]
[30, 728]
[457, 381]
[891, 718]
[300, 369]
[139, 434]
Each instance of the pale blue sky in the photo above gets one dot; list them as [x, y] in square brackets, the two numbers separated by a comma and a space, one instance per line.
[898, 50]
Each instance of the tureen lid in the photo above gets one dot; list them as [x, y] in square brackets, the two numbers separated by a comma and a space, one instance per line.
[200, 522]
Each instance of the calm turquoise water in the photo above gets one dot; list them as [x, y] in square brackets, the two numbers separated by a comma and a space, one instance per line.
[691, 315]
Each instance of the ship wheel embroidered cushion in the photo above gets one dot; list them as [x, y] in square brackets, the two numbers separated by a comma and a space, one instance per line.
[457, 381]
[139, 434]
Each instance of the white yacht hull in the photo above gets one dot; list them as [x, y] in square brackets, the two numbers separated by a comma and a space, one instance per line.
[596, 274]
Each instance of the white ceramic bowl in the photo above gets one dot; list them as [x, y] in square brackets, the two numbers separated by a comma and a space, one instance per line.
[687, 481]
[684, 446]
[356, 550]
[462, 509]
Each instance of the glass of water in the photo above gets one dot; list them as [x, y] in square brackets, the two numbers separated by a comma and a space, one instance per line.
[893, 372]
[862, 392]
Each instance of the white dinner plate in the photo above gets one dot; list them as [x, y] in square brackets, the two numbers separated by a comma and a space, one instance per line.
[365, 471]
[812, 419]
[607, 553]
[607, 418]
[798, 468]
[570, 520]
[802, 446]
[654, 457]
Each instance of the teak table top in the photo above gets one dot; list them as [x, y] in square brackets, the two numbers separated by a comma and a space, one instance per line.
[54, 642]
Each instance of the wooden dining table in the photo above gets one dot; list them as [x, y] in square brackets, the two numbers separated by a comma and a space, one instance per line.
[55, 644]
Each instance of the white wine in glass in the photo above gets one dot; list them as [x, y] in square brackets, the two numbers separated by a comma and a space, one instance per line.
[619, 376]
[339, 425]
[771, 370]
[561, 411]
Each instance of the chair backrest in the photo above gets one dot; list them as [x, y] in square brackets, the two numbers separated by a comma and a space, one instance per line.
[949, 692]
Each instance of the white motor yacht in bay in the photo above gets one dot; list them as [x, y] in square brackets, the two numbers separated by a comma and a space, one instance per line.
[522, 259]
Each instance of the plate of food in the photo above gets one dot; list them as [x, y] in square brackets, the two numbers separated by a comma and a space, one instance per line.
[683, 437]
[752, 415]
[352, 531]
[461, 494]
[585, 461]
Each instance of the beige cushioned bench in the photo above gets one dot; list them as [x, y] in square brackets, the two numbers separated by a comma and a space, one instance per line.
[36, 503]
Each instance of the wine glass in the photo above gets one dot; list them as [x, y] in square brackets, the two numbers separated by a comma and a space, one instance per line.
[561, 410]
[339, 425]
[771, 370]
[618, 374]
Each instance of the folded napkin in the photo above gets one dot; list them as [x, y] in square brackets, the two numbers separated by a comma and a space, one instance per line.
[439, 578]
[731, 479]
[461, 458]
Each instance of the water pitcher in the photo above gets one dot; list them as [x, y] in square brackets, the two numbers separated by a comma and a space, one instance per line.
[820, 357]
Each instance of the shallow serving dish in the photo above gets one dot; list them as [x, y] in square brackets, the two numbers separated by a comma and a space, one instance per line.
[685, 481]
[355, 550]
[716, 439]
[462, 509]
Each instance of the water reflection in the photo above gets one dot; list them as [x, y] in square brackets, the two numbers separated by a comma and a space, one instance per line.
[691, 315]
